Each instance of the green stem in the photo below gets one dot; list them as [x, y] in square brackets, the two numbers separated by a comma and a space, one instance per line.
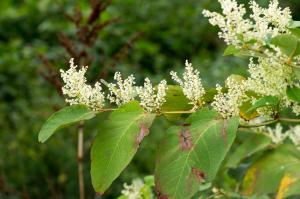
[293, 120]
[289, 120]
[177, 112]
[258, 125]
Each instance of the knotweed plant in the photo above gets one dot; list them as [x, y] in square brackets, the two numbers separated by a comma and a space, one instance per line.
[245, 126]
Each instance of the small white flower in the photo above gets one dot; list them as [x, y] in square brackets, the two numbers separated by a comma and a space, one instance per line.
[77, 91]
[294, 135]
[296, 109]
[228, 104]
[269, 77]
[152, 98]
[191, 84]
[276, 134]
[262, 24]
[133, 191]
[123, 91]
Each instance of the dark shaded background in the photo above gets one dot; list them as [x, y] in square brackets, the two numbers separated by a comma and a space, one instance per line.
[167, 33]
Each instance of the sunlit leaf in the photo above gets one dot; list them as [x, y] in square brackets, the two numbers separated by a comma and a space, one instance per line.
[263, 102]
[287, 43]
[293, 93]
[175, 101]
[191, 154]
[256, 142]
[118, 140]
[266, 175]
[64, 117]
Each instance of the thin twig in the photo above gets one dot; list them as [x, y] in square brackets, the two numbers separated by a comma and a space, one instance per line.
[177, 112]
[289, 120]
[80, 160]
[259, 125]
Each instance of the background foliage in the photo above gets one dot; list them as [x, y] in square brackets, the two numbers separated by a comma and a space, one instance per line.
[170, 32]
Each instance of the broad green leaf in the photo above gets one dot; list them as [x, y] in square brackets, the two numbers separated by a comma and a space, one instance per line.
[256, 142]
[191, 154]
[270, 173]
[231, 50]
[294, 24]
[244, 111]
[209, 95]
[297, 72]
[265, 101]
[64, 117]
[295, 32]
[117, 142]
[175, 101]
[287, 43]
[293, 93]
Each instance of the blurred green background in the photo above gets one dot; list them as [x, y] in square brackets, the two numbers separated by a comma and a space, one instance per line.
[167, 33]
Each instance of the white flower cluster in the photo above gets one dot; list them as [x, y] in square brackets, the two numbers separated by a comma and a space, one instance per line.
[261, 25]
[152, 98]
[228, 103]
[133, 191]
[269, 77]
[122, 92]
[276, 135]
[294, 135]
[296, 109]
[191, 84]
[78, 92]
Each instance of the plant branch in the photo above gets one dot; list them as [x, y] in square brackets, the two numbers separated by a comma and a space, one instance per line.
[258, 125]
[294, 120]
[80, 157]
[178, 112]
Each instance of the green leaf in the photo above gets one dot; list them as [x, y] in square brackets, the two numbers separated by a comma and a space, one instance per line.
[297, 72]
[287, 43]
[191, 154]
[117, 142]
[251, 145]
[244, 111]
[265, 101]
[175, 101]
[293, 93]
[64, 117]
[295, 32]
[209, 95]
[294, 24]
[267, 174]
[231, 50]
